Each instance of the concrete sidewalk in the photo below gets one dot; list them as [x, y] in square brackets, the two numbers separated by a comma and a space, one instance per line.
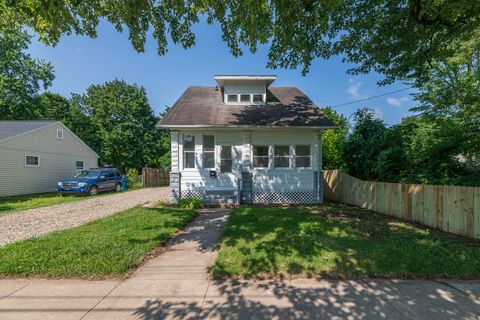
[175, 285]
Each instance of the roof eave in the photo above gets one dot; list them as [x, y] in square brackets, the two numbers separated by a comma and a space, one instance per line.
[200, 126]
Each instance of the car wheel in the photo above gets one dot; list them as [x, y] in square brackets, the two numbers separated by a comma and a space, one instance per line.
[118, 187]
[93, 190]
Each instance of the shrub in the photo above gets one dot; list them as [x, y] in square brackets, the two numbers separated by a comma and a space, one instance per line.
[134, 181]
[190, 203]
[165, 204]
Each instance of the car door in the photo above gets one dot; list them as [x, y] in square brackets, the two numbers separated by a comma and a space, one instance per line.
[103, 183]
[111, 180]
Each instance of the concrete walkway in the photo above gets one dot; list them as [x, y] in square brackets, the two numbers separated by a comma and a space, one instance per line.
[175, 285]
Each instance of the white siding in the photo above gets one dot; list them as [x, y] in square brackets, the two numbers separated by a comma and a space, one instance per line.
[57, 160]
[284, 179]
[199, 178]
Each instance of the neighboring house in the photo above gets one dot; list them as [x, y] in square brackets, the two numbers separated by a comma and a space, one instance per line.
[35, 154]
[245, 141]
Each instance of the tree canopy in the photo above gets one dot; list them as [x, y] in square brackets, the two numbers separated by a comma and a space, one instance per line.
[397, 38]
[21, 76]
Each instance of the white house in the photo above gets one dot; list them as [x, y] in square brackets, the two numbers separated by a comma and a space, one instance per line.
[35, 154]
[245, 141]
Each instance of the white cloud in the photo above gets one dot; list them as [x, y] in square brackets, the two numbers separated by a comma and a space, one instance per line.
[397, 102]
[354, 90]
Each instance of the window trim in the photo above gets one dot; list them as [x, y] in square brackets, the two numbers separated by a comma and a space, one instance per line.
[214, 152]
[289, 156]
[309, 156]
[268, 156]
[32, 165]
[191, 151]
[83, 164]
[62, 136]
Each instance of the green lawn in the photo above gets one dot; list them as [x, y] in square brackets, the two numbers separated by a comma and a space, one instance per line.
[105, 247]
[338, 241]
[30, 201]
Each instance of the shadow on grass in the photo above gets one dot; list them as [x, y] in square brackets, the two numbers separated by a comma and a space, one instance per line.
[339, 241]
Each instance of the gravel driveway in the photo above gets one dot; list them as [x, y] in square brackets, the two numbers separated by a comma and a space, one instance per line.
[40, 221]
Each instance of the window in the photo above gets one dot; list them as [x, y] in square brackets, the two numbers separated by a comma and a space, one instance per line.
[32, 161]
[209, 152]
[260, 156]
[281, 157]
[302, 156]
[226, 159]
[188, 151]
[232, 98]
[244, 98]
[258, 98]
[59, 133]
[79, 164]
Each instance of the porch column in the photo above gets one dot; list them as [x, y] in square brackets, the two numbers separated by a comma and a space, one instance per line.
[175, 179]
[246, 168]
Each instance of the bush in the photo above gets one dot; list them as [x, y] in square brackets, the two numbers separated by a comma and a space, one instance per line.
[134, 181]
[190, 203]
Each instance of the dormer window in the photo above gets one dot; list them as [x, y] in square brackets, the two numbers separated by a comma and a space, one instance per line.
[258, 98]
[244, 90]
[232, 98]
[244, 98]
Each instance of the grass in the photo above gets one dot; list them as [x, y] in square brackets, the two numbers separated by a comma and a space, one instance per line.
[339, 242]
[107, 247]
[31, 201]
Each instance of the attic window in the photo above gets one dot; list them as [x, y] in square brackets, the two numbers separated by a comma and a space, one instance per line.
[59, 133]
[258, 98]
[232, 98]
[244, 98]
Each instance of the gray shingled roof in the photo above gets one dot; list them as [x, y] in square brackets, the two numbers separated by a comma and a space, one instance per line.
[286, 106]
[12, 128]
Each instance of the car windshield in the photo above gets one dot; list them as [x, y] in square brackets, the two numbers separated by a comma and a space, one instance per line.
[88, 174]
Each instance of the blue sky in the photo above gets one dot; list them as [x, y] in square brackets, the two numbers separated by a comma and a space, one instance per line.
[82, 61]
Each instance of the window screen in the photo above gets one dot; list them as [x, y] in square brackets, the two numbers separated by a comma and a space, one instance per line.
[260, 156]
[226, 159]
[232, 98]
[79, 165]
[282, 157]
[244, 98]
[188, 151]
[32, 161]
[302, 156]
[258, 98]
[209, 152]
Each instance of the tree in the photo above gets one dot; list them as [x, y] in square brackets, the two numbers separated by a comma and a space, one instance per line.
[450, 95]
[123, 121]
[21, 76]
[333, 140]
[364, 144]
[394, 37]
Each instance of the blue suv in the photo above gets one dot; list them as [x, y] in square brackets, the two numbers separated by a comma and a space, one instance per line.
[91, 182]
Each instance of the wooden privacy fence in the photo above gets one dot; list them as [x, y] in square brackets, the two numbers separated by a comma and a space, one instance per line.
[455, 209]
[152, 177]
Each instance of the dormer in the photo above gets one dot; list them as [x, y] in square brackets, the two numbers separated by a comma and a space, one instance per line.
[244, 90]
